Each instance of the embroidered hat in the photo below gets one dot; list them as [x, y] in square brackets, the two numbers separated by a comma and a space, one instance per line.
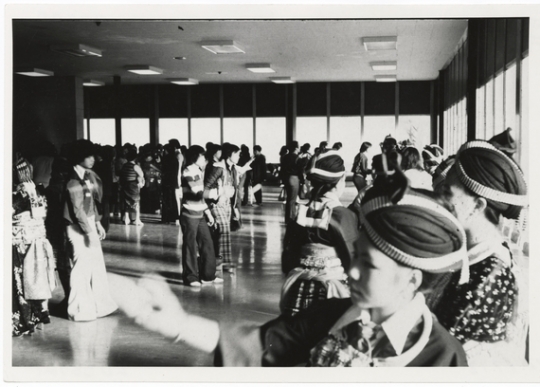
[328, 168]
[490, 173]
[442, 170]
[415, 231]
[504, 142]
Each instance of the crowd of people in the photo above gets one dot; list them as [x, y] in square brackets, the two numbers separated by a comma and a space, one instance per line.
[415, 272]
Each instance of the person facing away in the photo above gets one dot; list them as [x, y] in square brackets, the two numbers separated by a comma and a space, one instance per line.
[385, 322]
[258, 167]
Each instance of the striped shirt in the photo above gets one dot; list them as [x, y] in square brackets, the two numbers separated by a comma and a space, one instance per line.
[193, 187]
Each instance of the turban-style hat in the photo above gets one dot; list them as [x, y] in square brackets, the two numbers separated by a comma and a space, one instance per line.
[504, 142]
[415, 231]
[491, 174]
[327, 169]
[439, 175]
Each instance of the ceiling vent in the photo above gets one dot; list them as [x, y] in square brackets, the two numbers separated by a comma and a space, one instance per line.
[380, 43]
[385, 78]
[93, 83]
[282, 80]
[383, 66]
[79, 50]
[184, 81]
[260, 68]
[222, 47]
[33, 72]
[144, 70]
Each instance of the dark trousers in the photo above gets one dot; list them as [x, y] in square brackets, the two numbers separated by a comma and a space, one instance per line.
[292, 187]
[197, 240]
[106, 215]
[359, 182]
[258, 196]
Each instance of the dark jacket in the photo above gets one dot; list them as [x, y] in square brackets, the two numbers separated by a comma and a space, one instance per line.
[81, 202]
[258, 167]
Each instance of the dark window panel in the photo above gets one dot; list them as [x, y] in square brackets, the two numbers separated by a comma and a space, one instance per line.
[511, 40]
[100, 102]
[135, 101]
[173, 101]
[345, 98]
[238, 100]
[311, 99]
[490, 49]
[500, 49]
[482, 42]
[271, 100]
[414, 97]
[525, 36]
[380, 98]
[205, 101]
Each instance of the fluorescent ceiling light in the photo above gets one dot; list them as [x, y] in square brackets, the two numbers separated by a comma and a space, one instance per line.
[184, 81]
[259, 68]
[91, 82]
[78, 50]
[383, 66]
[222, 47]
[144, 70]
[282, 79]
[33, 72]
[385, 78]
[377, 43]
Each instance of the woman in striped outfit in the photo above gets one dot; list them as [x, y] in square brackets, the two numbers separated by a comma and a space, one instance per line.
[221, 183]
[131, 182]
[197, 239]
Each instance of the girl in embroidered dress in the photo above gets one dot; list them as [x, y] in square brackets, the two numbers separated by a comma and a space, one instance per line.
[484, 185]
[407, 236]
[319, 244]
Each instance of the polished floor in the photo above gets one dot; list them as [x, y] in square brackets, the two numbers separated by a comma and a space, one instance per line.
[249, 295]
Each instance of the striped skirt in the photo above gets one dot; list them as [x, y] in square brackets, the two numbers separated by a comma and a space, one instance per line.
[222, 215]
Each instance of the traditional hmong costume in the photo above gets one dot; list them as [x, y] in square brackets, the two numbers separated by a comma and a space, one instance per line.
[411, 229]
[33, 259]
[318, 246]
[484, 314]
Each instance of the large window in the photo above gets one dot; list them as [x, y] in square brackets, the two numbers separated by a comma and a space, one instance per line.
[499, 105]
[347, 131]
[523, 134]
[238, 131]
[271, 136]
[489, 111]
[102, 131]
[480, 108]
[510, 97]
[376, 128]
[311, 130]
[173, 128]
[416, 128]
[205, 130]
[136, 131]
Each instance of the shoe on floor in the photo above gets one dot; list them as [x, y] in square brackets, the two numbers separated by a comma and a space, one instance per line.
[138, 223]
[216, 281]
[195, 284]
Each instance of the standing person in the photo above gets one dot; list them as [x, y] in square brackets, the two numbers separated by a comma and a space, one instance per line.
[32, 255]
[170, 166]
[245, 178]
[337, 146]
[259, 173]
[304, 158]
[320, 240]
[179, 153]
[282, 152]
[131, 182]
[104, 168]
[412, 166]
[360, 167]
[151, 192]
[221, 184]
[385, 323]
[89, 297]
[198, 256]
[484, 314]
[290, 171]
[119, 162]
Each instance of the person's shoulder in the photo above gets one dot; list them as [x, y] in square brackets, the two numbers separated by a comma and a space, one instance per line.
[441, 341]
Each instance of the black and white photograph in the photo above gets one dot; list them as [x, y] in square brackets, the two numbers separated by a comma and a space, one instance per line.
[195, 188]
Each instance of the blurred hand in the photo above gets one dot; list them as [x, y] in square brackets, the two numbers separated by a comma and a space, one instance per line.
[150, 303]
[211, 220]
[101, 231]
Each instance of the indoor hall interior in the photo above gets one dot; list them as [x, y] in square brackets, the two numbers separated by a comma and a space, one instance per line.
[252, 82]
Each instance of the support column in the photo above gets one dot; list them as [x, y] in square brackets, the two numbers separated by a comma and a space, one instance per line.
[117, 110]
[154, 115]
